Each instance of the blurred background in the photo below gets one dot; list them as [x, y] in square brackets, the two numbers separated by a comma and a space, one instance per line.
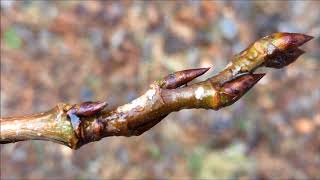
[73, 51]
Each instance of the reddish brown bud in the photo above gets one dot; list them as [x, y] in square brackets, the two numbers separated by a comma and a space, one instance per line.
[234, 89]
[90, 108]
[281, 59]
[180, 78]
[289, 40]
[84, 109]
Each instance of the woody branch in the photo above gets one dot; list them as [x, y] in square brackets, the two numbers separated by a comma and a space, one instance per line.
[74, 125]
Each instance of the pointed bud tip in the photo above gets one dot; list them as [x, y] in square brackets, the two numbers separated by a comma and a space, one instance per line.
[307, 37]
[205, 69]
[290, 40]
[102, 104]
[96, 105]
[197, 72]
[90, 108]
[299, 39]
[233, 90]
[191, 74]
[180, 78]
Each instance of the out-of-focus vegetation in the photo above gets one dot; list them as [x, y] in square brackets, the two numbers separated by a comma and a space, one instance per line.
[72, 51]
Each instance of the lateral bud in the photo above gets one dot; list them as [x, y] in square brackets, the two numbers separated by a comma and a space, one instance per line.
[180, 78]
[84, 109]
[281, 59]
[233, 90]
[90, 108]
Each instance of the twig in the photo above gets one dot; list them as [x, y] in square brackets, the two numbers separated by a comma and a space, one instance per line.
[79, 124]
